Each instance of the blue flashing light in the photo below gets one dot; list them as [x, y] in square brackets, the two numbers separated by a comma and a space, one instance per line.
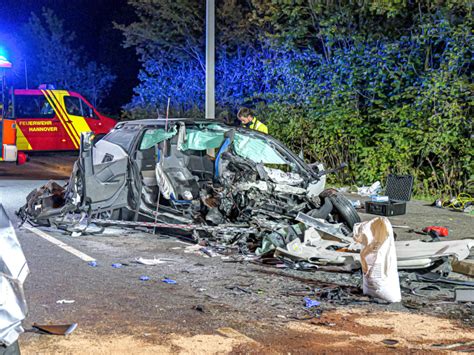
[4, 63]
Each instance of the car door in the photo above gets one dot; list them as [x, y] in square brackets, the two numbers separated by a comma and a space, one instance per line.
[104, 170]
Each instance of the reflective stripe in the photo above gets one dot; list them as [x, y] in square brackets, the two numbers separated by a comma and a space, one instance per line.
[70, 124]
[21, 141]
[253, 125]
[64, 113]
[258, 126]
[78, 123]
[61, 117]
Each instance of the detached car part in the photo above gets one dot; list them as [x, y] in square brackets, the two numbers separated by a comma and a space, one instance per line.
[13, 272]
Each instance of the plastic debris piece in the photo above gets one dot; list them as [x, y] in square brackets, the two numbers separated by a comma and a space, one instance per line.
[464, 295]
[436, 231]
[92, 263]
[117, 266]
[209, 252]
[377, 198]
[356, 204]
[199, 308]
[465, 267]
[144, 278]
[149, 262]
[54, 329]
[169, 281]
[370, 190]
[311, 303]
[65, 301]
[461, 346]
[13, 272]
[390, 341]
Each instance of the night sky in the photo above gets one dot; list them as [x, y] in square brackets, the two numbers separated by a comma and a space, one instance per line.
[92, 21]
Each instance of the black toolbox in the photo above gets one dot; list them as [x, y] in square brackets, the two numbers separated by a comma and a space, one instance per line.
[398, 189]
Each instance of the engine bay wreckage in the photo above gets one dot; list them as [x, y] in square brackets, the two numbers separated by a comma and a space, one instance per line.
[225, 187]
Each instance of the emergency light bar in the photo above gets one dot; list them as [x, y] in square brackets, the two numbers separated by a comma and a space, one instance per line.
[46, 87]
[4, 63]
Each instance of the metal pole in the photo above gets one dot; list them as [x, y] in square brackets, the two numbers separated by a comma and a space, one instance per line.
[210, 59]
[3, 102]
[26, 76]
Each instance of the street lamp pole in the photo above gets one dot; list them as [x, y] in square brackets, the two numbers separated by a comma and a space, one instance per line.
[210, 59]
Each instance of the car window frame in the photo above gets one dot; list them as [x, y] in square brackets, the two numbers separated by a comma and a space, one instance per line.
[130, 148]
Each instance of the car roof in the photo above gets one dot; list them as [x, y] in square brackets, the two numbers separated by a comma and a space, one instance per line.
[163, 121]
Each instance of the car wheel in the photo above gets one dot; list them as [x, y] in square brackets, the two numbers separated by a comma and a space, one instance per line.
[344, 209]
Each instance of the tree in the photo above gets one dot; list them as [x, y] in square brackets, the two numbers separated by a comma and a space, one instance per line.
[95, 81]
[385, 86]
[169, 38]
[55, 59]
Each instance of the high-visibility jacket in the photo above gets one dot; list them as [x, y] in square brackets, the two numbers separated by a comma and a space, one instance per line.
[258, 126]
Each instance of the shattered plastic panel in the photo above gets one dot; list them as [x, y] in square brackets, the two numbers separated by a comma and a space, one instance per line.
[281, 177]
[415, 254]
[13, 272]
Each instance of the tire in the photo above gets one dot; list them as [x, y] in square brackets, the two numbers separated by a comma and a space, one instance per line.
[344, 209]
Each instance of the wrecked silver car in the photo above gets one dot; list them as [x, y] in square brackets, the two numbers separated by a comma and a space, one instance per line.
[204, 177]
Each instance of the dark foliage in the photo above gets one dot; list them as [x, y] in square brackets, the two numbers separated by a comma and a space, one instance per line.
[385, 86]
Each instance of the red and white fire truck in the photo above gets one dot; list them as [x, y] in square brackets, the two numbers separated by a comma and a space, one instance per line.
[44, 119]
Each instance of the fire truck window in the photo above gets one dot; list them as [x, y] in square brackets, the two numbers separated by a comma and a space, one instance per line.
[33, 106]
[73, 105]
[88, 111]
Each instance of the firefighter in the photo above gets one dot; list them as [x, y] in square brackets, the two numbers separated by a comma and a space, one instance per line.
[246, 116]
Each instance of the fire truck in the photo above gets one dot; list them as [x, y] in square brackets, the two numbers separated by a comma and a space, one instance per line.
[44, 119]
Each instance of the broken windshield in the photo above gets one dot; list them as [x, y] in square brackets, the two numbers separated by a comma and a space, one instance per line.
[211, 137]
[257, 150]
[248, 147]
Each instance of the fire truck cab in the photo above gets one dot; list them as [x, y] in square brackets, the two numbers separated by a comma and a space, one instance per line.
[44, 119]
[53, 120]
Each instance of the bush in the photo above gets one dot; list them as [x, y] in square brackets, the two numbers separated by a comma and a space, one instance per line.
[385, 87]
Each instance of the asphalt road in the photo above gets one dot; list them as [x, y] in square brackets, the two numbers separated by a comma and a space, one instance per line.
[40, 167]
[114, 305]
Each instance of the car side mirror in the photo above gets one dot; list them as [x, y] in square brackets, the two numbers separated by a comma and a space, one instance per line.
[86, 141]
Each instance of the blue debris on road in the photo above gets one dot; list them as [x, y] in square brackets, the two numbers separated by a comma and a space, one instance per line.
[169, 281]
[311, 303]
